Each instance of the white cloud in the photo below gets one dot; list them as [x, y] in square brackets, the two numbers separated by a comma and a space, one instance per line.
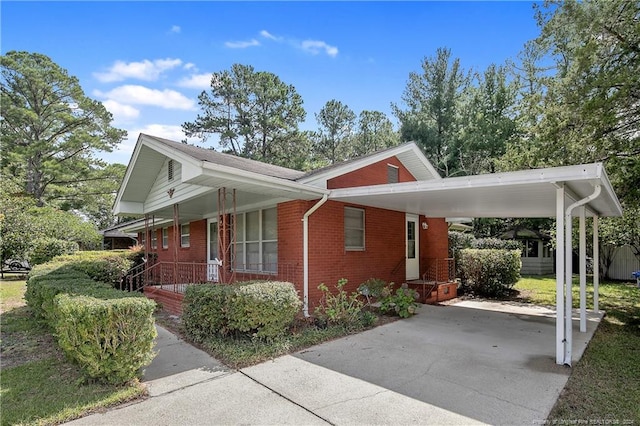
[176, 29]
[242, 44]
[196, 81]
[121, 112]
[316, 46]
[267, 34]
[145, 70]
[190, 65]
[140, 95]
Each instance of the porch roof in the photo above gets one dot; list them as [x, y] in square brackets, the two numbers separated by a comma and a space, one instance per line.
[525, 193]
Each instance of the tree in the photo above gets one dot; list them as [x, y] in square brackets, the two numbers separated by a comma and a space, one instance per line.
[433, 102]
[253, 113]
[50, 129]
[333, 140]
[489, 121]
[374, 132]
[29, 232]
[588, 107]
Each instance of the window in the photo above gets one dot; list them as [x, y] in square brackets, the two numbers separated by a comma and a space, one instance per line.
[257, 241]
[184, 235]
[353, 229]
[170, 171]
[165, 237]
[143, 240]
[392, 173]
[154, 239]
[530, 248]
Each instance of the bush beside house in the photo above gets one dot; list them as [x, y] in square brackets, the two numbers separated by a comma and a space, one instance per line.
[490, 272]
[258, 309]
[108, 333]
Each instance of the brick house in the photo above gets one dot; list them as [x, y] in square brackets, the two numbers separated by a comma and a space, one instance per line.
[212, 217]
[216, 217]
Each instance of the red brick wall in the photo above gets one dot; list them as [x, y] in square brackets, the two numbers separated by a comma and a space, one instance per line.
[197, 250]
[329, 261]
[383, 256]
[373, 174]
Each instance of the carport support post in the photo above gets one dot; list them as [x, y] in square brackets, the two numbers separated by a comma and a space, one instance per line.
[583, 271]
[596, 265]
[560, 275]
[568, 251]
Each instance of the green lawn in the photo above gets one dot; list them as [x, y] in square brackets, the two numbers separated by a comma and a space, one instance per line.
[37, 385]
[605, 384]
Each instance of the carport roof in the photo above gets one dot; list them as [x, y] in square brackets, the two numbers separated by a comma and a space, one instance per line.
[525, 193]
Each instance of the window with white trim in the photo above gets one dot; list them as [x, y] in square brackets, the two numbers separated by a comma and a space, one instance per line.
[257, 241]
[530, 248]
[184, 235]
[154, 239]
[165, 237]
[143, 239]
[353, 229]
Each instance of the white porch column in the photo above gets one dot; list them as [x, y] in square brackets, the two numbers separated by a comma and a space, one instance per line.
[596, 265]
[583, 271]
[560, 342]
[568, 279]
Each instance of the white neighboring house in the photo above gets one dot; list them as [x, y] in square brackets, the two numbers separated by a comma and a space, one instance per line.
[537, 254]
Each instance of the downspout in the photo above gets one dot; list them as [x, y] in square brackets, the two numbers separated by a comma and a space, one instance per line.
[569, 272]
[305, 252]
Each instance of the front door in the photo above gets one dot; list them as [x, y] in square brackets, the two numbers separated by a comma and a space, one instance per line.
[413, 246]
[212, 251]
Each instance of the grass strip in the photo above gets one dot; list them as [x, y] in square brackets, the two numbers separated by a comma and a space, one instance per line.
[604, 386]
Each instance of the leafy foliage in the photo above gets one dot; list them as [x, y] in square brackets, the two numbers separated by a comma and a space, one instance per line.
[333, 141]
[39, 233]
[374, 132]
[254, 114]
[109, 333]
[433, 102]
[261, 309]
[50, 131]
[341, 308]
[402, 302]
[490, 272]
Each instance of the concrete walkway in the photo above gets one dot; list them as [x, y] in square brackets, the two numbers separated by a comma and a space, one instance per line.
[449, 365]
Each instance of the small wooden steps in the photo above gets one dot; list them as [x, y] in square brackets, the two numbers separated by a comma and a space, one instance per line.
[432, 292]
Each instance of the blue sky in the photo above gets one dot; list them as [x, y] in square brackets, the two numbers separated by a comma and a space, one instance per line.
[148, 61]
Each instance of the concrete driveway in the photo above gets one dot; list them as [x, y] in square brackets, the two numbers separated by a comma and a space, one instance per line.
[470, 363]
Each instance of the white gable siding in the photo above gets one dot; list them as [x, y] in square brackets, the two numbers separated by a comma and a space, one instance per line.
[158, 196]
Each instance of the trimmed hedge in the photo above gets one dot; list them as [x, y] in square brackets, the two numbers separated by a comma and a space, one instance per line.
[111, 339]
[260, 309]
[108, 332]
[490, 272]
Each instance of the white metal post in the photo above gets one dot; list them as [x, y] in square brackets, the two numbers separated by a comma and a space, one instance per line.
[583, 270]
[560, 275]
[596, 265]
[568, 277]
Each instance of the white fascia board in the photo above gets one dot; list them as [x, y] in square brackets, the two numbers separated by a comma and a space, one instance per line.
[127, 175]
[553, 175]
[191, 168]
[128, 208]
[158, 223]
[257, 179]
[381, 156]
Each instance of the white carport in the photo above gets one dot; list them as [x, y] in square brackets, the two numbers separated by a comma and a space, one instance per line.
[560, 192]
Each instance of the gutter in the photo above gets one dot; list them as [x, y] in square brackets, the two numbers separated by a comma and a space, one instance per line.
[569, 273]
[305, 252]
